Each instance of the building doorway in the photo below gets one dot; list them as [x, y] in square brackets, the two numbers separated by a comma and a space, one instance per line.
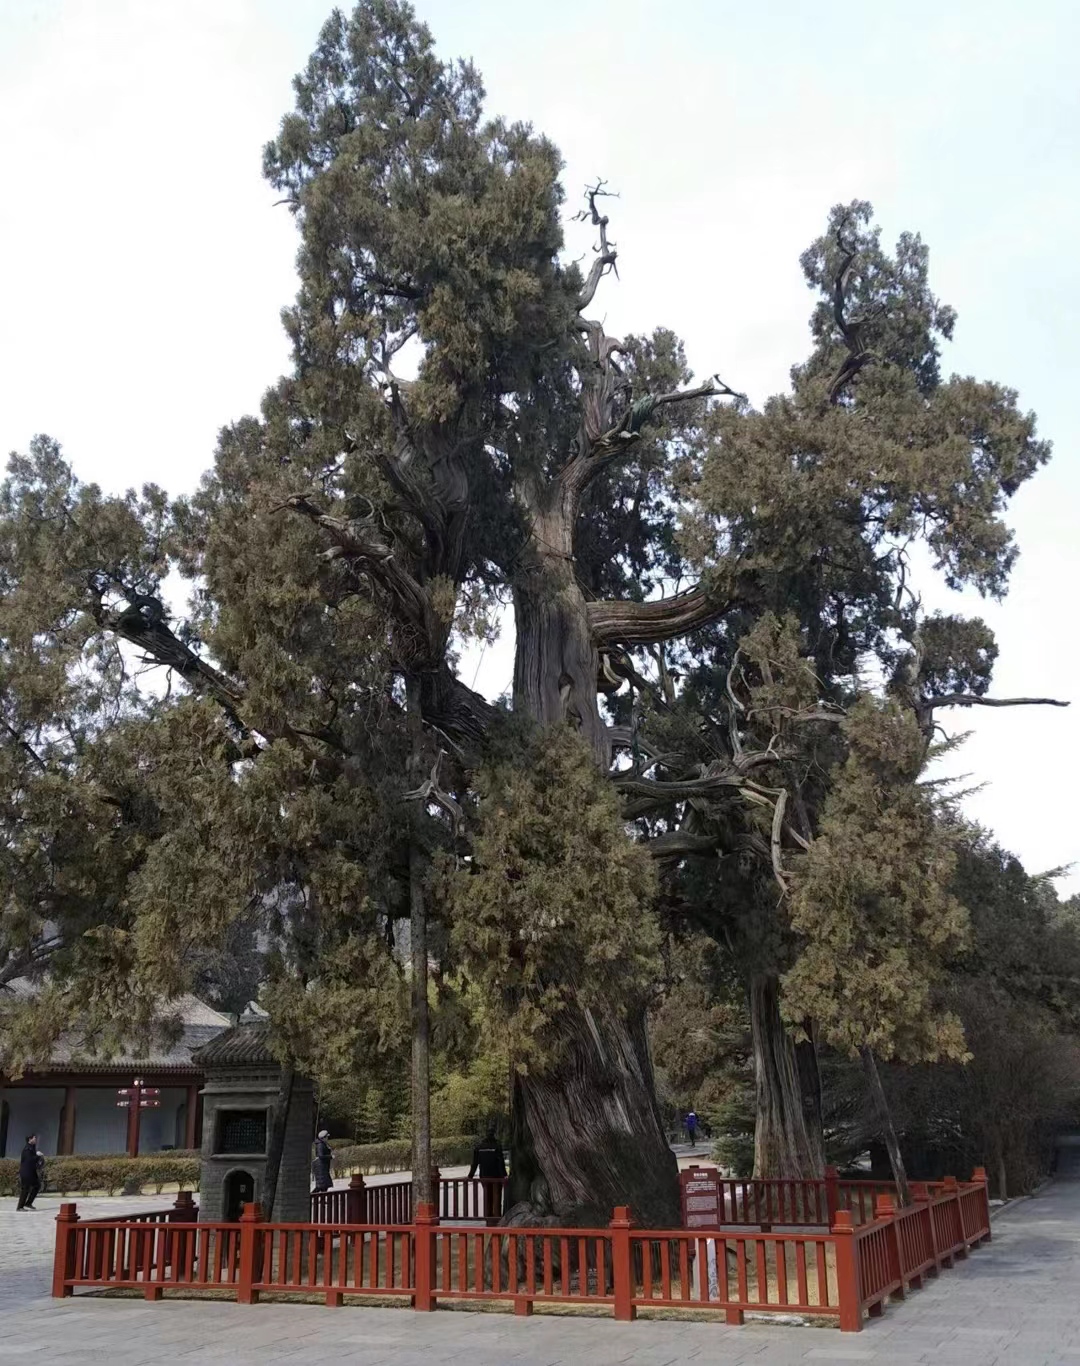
[239, 1190]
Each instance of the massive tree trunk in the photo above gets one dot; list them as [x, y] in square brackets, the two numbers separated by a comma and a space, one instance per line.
[785, 1144]
[589, 1129]
[806, 1061]
[275, 1148]
[587, 1133]
[556, 663]
[423, 1189]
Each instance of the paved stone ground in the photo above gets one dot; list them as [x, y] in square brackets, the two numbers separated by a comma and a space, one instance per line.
[1014, 1303]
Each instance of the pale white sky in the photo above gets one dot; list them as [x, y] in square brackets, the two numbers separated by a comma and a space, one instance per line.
[143, 267]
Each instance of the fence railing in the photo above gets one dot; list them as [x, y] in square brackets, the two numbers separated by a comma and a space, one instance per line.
[843, 1271]
[460, 1200]
[798, 1203]
[811, 1203]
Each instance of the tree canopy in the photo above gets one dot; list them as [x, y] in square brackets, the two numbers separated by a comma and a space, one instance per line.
[699, 588]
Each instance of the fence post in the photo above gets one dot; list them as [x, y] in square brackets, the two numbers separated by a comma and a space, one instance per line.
[356, 1200]
[848, 1279]
[250, 1218]
[425, 1221]
[951, 1188]
[184, 1210]
[437, 1191]
[622, 1268]
[921, 1194]
[979, 1175]
[832, 1195]
[64, 1251]
[885, 1208]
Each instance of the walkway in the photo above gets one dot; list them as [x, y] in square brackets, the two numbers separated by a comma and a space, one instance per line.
[1014, 1303]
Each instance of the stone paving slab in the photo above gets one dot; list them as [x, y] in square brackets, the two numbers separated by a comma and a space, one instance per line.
[1013, 1303]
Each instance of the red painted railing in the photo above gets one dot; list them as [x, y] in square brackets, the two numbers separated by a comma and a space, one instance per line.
[461, 1200]
[843, 1271]
[798, 1203]
[759, 1273]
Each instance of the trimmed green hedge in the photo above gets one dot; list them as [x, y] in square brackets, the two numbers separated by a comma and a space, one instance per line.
[114, 1174]
[395, 1155]
[119, 1174]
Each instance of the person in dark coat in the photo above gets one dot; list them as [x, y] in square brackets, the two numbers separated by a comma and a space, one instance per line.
[29, 1173]
[488, 1164]
[320, 1168]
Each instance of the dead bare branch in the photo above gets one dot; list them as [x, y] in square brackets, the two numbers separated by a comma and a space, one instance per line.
[775, 847]
[430, 791]
[606, 254]
[964, 699]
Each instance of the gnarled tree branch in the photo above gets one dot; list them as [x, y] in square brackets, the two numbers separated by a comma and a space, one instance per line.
[646, 623]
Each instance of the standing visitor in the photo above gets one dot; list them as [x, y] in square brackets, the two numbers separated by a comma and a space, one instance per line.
[323, 1157]
[29, 1174]
[691, 1128]
[488, 1164]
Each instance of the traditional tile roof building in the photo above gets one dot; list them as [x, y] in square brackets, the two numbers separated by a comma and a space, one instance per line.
[72, 1103]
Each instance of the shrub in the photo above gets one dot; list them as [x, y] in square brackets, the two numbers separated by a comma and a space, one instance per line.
[111, 1173]
[395, 1155]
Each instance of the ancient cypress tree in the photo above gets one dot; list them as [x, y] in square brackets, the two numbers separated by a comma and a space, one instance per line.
[810, 509]
[459, 431]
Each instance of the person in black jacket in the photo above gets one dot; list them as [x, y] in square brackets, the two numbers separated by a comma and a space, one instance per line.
[488, 1164]
[29, 1174]
[321, 1166]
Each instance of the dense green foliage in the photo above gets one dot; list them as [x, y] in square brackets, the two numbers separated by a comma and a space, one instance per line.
[872, 904]
[555, 902]
[456, 433]
[1014, 987]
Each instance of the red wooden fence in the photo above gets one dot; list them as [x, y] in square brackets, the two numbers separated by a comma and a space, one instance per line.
[842, 1271]
[461, 1200]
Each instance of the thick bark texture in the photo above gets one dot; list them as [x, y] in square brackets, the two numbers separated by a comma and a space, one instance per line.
[785, 1145]
[423, 1190]
[806, 1061]
[556, 664]
[276, 1146]
[590, 1132]
[885, 1124]
[587, 1134]
[421, 1032]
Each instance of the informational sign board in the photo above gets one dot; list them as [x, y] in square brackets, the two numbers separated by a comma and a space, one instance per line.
[702, 1197]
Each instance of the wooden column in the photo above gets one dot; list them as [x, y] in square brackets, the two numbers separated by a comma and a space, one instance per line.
[134, 1116]
[65, 1144]
[191, 1120]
